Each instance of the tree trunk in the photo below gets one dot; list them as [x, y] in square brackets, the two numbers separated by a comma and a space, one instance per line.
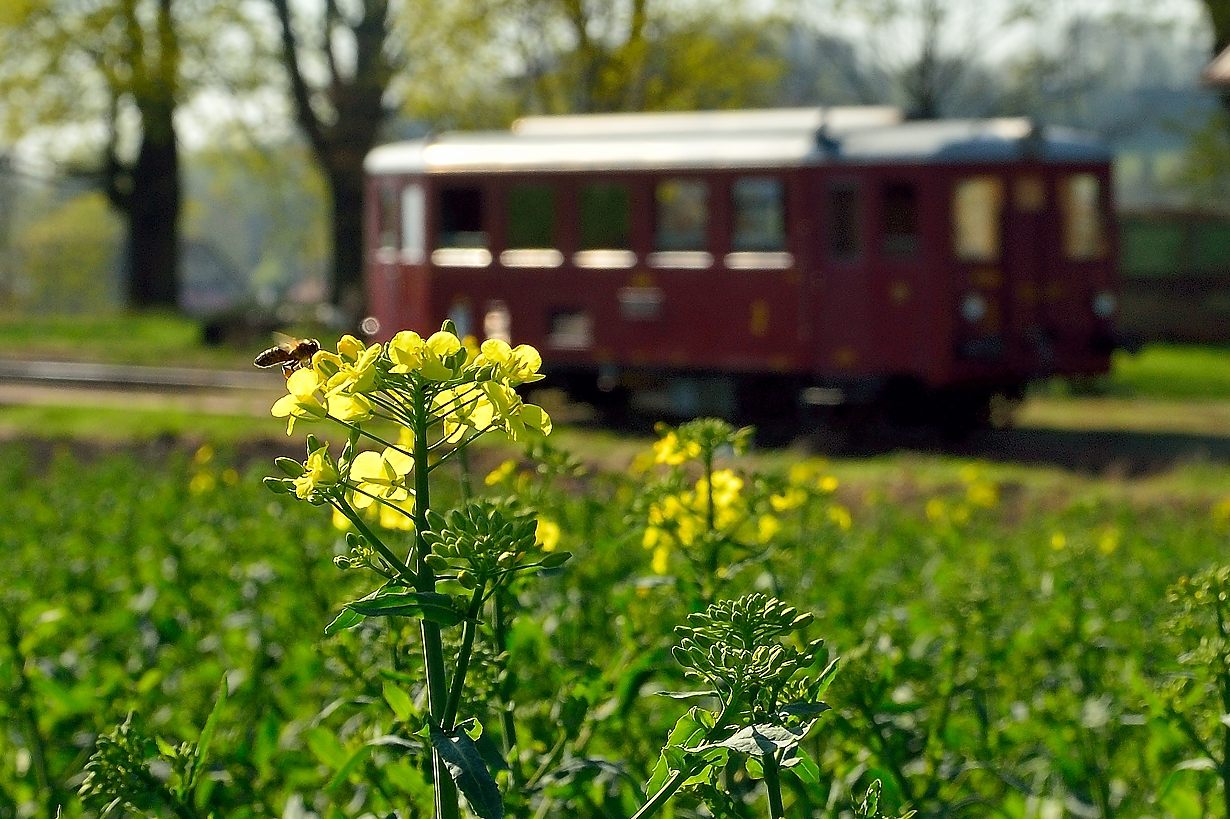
[346, 286]
[153, 206]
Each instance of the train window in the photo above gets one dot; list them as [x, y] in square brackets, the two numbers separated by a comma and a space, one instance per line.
[413, 224]
[531, 213]
[461, 218]
[530, 210]
[759, 214]
[605, 217]
[977, 203]
[681, 215]
[845, 241]
[461, 242]
[387, 217]
[900, 219]
[1080, 202]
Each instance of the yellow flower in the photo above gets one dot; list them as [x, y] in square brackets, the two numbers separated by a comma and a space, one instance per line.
[410, 353]
[463, 410]
[203, 455]
[547, 534]
[349, 407]
[520, 420]
[840, 515]
[936, 510]
[301, 401]
[501, 473]
[516, 365]
[982, 493]
[382, 476]
[727, 487]
[791, 498]
[669, 450]
[827, 484]
[357, 375]
[661, 559]
[319, 472]
[1108, 542]
[350, 348]
[1059, 541]
[201, 482]
[767, 528]
[397, 515]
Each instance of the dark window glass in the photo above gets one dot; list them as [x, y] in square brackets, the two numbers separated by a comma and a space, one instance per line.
[900, 219]
[604, 217]
[845, 241]
[531, 214]
[461, 218]
[759, 214]
[681, 215]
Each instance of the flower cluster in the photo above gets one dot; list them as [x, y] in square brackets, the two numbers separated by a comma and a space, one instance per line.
[443, 389]
[471, 388]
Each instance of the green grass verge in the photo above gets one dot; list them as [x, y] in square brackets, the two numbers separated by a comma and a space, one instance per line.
[1172, 371]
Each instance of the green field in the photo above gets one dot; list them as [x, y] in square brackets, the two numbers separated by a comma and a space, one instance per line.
[1008, 643]
[997, 621]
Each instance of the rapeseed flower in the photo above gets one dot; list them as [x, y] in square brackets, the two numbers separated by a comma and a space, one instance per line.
[411, 353]
[381, 476]
[302, 399]
[515, 365]
[319, 472]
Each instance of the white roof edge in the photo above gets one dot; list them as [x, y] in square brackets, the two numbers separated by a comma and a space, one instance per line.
[784, 138]
[692, 122]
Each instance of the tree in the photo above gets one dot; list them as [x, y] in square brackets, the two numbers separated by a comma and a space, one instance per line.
[98, 84]
[934, 53]
[582, 56]
[341, 114]
[113, 65]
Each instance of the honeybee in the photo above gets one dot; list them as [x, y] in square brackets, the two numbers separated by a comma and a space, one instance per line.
[291, 353]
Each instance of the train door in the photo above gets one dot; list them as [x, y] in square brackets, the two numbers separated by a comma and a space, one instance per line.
[995, 252]
[842, 310]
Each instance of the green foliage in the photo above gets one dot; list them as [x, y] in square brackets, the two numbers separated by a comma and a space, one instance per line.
[1007, 646]
[67, 260]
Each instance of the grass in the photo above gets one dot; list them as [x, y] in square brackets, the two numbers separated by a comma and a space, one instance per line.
[1172, 371]
[152, 338]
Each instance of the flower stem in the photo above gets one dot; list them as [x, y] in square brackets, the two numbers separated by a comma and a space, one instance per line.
[773, 785]
[468, 632]
[433, 646]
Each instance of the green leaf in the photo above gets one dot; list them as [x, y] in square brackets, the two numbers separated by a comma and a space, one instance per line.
[397, 601]
[805, 710]
[211, 725]
[804, 767]
[556, 559]
[325, 747]
[686, 695]
[757, 740]
[347, 768]
[346, 619]
[465, 764]
[279, 486]
[399, 701]
[289, 466]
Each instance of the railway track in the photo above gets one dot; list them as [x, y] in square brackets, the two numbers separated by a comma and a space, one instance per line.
[131, 376]
[59, 383]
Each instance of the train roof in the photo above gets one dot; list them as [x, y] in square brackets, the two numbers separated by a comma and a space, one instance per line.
[732, 139]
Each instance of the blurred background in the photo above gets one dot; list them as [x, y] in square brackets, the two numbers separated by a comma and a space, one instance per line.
[179, 173]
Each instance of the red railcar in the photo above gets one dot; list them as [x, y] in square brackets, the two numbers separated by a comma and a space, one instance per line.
[758, 261]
